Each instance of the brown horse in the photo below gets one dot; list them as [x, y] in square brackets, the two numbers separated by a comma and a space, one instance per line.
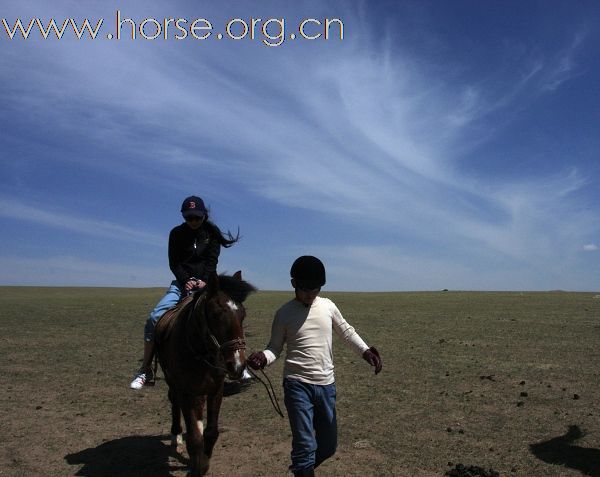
[198, 343]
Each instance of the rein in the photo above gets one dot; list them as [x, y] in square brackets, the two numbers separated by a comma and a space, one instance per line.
[235, 344]
[269, 388]
[231, 345]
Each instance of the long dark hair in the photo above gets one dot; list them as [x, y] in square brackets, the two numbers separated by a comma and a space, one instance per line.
[226, 240]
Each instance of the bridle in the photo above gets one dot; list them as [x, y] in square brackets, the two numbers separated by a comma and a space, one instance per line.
[236, 344]
[231, 345]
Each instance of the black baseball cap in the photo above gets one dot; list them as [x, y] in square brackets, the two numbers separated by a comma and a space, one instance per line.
[193, 206]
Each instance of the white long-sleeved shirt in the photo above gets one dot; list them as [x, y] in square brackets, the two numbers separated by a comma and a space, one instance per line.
[307, 333]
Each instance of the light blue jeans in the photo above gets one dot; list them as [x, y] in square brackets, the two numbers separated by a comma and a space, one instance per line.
[311, 411]
[167, 302]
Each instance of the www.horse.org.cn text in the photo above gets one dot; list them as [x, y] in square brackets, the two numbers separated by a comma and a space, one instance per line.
[270, 32]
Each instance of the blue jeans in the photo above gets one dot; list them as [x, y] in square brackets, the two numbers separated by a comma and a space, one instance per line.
[311, 410]
[167, 302]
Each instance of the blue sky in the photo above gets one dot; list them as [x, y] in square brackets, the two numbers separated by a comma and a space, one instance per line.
[440, 144]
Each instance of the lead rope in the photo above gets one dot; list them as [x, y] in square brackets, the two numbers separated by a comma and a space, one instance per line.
[270, 390]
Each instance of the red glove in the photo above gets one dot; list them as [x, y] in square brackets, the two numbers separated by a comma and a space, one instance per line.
[257, 360]
[372, 357]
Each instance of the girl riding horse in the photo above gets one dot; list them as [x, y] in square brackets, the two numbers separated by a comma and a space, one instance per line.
[194, 249]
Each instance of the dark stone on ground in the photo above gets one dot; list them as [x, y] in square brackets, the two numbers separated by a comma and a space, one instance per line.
[461, 470]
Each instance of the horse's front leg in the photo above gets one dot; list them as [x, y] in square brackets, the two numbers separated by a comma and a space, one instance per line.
[192, 415]
[213, 407]
[176, 430]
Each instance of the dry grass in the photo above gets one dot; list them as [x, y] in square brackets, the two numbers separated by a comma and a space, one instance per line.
[474, 378]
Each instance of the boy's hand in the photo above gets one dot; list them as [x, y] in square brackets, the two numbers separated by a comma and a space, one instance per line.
[372, 357]
[257, 360]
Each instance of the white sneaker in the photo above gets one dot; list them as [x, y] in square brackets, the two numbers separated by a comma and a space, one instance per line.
[140, 379]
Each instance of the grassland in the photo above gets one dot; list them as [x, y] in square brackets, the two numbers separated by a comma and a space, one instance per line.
[473, 378]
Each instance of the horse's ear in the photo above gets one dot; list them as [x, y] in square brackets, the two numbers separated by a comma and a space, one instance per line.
[238, 275]
[212, 285]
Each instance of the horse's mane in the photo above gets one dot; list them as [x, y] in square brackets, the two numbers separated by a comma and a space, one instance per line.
[236, 289]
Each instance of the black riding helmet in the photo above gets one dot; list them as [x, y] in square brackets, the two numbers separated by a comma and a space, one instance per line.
[308, 271]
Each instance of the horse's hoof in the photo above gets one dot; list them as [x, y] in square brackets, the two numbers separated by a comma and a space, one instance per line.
[203, 471]
[176, 440]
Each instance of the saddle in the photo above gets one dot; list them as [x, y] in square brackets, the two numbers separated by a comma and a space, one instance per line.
[165, 323]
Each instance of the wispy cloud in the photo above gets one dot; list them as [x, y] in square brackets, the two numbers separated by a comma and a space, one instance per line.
[359, 132]
[401, 172]
[590, 247]
[564, 66]
[356, 132]
[372, 268]
[14, 209]
[74, 271]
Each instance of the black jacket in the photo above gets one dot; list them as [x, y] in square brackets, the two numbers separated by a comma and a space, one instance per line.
[193, 253]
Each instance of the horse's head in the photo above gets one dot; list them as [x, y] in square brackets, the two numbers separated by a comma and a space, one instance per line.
[224, 314]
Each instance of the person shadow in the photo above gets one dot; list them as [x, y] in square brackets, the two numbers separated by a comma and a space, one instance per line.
[561, 451]
[150, 456]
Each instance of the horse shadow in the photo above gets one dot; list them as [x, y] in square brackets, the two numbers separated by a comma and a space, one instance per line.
[129, 456]
[561, 451]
